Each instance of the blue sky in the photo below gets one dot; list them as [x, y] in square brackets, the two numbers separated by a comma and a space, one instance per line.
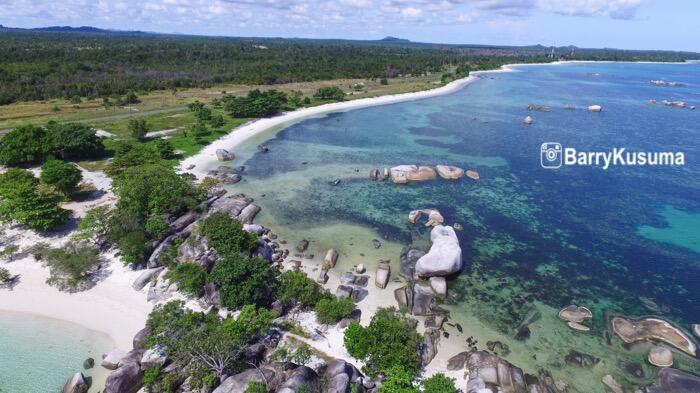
[633, 24]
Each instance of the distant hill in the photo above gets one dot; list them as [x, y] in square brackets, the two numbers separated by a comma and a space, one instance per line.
[394, 39]
[81, 29]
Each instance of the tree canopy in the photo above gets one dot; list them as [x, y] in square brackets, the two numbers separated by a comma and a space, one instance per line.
[61, 175]
[22, 202]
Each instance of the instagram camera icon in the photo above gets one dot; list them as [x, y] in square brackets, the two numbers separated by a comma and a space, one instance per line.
[551, 155]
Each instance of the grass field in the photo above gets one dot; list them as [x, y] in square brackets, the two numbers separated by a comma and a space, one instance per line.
[170, 103]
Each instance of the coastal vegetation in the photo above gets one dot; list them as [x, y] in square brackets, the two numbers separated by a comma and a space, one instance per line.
[71, 267]
[22, 201]
[389, 341]
[62, 176]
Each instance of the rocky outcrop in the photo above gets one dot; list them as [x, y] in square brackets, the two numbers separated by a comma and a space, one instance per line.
[439, 287]
[153, 357]
[429, 348]
[671, 380]
[403, 174]
[248, 214]
[595, 108]
[301, 376]
[76, 384]
[457, 361]
[140, 337]
[126, 379]
[111, 361]
[612, 384]
[445, 255]
[449, 172]
[145, 277]
[381, 277]
[660, 357]
[341, 375]
[224, 155]
[474, 175]
[423, 298]
[408, 260]
[653, 329]
[489, 370]
[232, 205]
[330, 259]
[696, 329]
[239, 382]
[528, 120]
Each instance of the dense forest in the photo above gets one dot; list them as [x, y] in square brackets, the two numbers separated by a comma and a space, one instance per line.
[37, 65]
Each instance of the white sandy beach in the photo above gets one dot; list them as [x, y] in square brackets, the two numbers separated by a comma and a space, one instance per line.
[111, 307]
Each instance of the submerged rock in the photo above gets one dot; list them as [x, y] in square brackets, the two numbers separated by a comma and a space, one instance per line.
[671, 380]
[660, 357]
[528, 120]
[612, 384]
[330, 259]
[696, 329]
[581, 359]
[595, 108]
[445, 255]
[575, 314]
[578, 327]
[653, 329]
[302, 245]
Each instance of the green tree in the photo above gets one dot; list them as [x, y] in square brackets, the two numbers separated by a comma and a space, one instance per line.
[217, 121]
[131, 98]
[389, 340]
[190, 278]
[24, 145]
[63, 176]
[5, 276]
[129, 154]
[165, 149]
[330, 93]
[73, 141]
[333, 310]
[244, 281]
[20, 201]
[296, 286]
[398, 380]
[138, 128]
[195, 106]
[94, 227]
[439, 383]
[226, 235]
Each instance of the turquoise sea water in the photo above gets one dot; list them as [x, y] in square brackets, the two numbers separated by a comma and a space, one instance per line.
[38, 354]
[622, 240]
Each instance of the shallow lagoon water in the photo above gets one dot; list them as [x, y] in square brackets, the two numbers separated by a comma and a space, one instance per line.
[621, 240]
[39, 354]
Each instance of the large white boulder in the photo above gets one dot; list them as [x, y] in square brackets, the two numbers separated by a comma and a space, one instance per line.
[404, 173]
[445, 255]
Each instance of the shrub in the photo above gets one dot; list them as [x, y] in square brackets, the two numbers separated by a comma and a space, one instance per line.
[389, 340]
[5, 275]
[256, 387]
[244, 281]
[190, 278]
[71, 266]
[256, 104]
[226, 235]
[333, 310]
[298, 287]
[165, 149]
[128, 155]
[217, 121]
[9, 251]
[138, 128]
[157, 226]
[63, 176]
[439, 383]
[330, 93]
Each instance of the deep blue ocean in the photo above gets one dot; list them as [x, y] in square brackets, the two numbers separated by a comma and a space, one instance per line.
[625, 240]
